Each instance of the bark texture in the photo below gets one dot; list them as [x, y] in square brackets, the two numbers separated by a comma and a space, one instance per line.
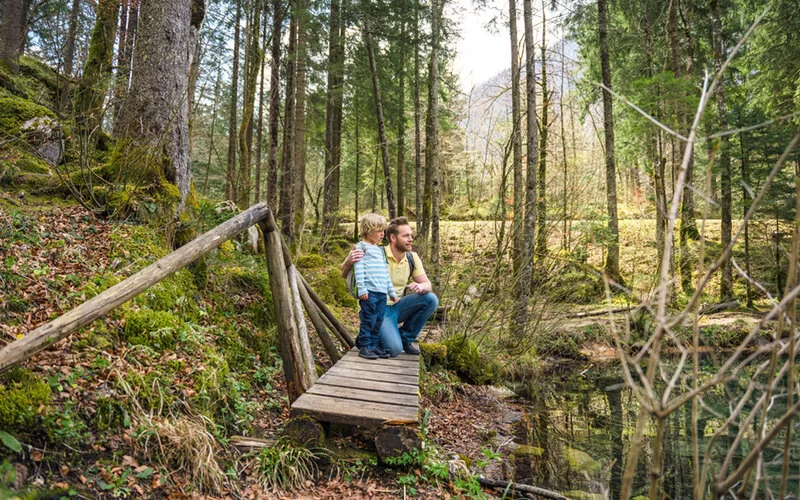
[12, 31]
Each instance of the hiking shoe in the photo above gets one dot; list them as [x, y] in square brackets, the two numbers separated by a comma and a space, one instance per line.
[367, 353]
[410, 349]
[381, 353]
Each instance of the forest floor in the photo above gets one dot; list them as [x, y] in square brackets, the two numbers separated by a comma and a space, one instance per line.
[51, 251]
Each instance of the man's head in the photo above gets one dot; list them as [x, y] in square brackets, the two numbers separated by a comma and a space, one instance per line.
[371, 224]
[400, 234]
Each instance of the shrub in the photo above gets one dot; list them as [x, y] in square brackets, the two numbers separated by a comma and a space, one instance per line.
[285, 466]
[155, 329]
[465, 358]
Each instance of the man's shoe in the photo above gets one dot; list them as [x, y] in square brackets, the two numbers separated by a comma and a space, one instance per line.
[367, 353]
[410, 349]
[381, 353]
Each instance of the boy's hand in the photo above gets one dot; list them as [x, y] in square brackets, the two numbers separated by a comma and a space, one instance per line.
[395, 299]
[363, 297]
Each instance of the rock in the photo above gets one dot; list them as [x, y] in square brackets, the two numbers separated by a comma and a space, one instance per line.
[500, 392]
[394, 440]
[46, 136]
[304, 430]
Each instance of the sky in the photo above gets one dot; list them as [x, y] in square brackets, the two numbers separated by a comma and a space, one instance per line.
[481, 54]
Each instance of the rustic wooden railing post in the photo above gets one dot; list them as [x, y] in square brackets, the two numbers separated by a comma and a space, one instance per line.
[46, 335]
[293, 367]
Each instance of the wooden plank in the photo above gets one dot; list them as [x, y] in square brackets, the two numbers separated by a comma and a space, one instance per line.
[358, 395]
[343, 371]
[347, 412]
[372, 385]
[396, 361]
[379, 368]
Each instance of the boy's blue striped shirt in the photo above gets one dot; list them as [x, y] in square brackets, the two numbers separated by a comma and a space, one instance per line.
[372, 271]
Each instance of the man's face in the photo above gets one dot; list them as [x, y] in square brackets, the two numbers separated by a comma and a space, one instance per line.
[404, 238]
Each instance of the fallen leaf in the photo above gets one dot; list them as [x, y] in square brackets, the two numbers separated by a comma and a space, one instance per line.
[64, 471]
[36, 456]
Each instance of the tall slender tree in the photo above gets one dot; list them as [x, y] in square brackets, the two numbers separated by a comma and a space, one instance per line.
[333, 119]
[230, 173]
[286, 204]
[274, 104]
[300, 116]
[252, 65]
[612, 257]
[516, 140]
[401, 111]
[382, 141]
[541, 210]
[432, 147]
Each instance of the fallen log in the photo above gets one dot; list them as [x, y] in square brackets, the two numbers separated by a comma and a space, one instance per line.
[46, 335]
[719, 307]
[521, 487]
[251, 442]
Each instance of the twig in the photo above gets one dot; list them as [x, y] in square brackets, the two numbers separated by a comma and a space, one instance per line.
[521, 487]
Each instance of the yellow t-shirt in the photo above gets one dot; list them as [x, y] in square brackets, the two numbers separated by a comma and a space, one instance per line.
[398, 270]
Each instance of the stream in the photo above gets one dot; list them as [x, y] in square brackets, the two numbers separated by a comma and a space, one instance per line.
[579, 423]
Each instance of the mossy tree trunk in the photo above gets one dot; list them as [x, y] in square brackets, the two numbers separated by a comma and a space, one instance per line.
[333, 120]
[516, 137]
[274, 106]
[12, 31]
[300, 117]
[286, 202]
[89, 103]
[230, 172]
[252, 66]
[154, 118]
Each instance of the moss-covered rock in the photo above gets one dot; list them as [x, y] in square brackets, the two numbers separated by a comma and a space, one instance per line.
[433, 353]
[465, 358]
[310, 261]
[21, 396]
[332, 289]
[15, 111]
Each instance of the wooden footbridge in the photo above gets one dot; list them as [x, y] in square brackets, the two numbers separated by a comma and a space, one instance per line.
[354, 391]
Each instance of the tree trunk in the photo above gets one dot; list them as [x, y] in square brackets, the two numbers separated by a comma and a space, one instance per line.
[565, 244]
[612, 258]
[376, 93]
[274, 106]
[525, 274]
[300, 118]
[12, 32]
[516, 141]
[432, 139]
[541, 211]
[89, 104]
[357, 182]
[417, 128]
[123, 57]
[231, 183]
[726, 278]
[252, 67]
[286, 203]
[746, 201]
[260, 126]
[333, 121]
[69, 55]
[211, 146]
[401, 115]
[155, 116]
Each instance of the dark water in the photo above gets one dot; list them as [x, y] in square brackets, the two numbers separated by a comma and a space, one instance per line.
[581, 418]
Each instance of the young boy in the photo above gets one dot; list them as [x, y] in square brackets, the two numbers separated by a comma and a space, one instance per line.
[374, 283]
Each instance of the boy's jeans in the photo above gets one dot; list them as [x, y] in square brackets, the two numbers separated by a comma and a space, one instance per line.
[371, 314]
[412, 311]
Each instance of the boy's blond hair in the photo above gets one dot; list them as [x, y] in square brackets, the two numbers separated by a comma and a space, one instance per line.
[371, 223]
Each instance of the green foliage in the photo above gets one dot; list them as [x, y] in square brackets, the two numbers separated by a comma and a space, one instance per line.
[438, 384]
[10, 442]
[285, 466]
[465, 358]
[65, 425]
[433, 353]
[110, 415]
[21, 395]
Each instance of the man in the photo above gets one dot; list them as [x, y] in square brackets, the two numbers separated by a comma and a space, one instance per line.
[403, 320]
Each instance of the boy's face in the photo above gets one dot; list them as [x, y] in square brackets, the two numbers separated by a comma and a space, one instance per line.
[375, 237]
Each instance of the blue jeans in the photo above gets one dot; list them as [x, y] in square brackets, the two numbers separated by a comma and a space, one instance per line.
[372, 310]
[412, 311]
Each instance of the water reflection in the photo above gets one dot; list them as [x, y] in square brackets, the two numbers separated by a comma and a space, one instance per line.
[579, 425]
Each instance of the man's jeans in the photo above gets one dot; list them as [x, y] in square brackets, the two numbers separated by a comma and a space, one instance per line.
[412, 311]
[372, 310]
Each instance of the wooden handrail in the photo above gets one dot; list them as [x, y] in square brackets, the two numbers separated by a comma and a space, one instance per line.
[46, 335]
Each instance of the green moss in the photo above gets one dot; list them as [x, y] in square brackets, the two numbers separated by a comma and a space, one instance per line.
[155, 392]
[581, 461]
[332, 289]
[15, 111]
[155, 329]
[464, 356]
[433, 353]
[21, 395]
[310, 261]
[525, 451]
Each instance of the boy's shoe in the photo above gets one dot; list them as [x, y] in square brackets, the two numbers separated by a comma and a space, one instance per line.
[367, 353]
[381, 353]
[410, 349]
